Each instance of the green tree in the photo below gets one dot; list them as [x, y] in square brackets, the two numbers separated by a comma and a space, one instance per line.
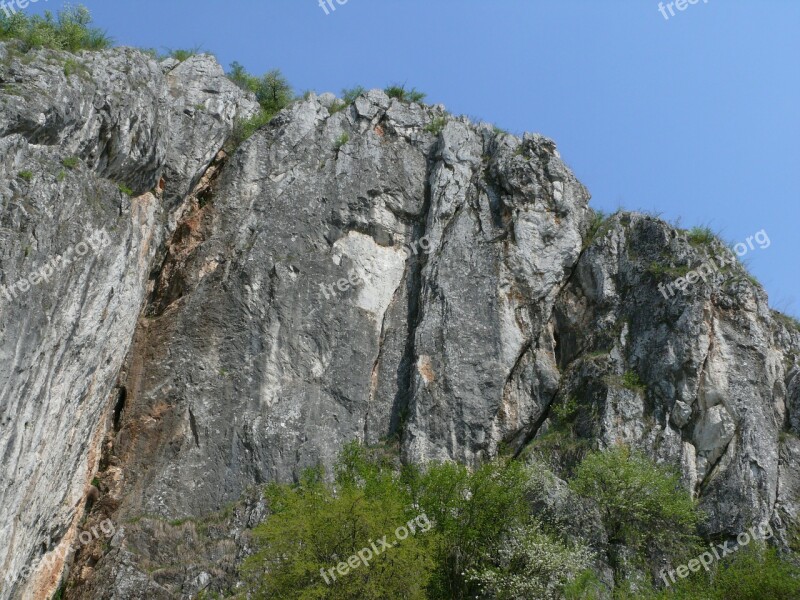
[642, 505]
[312, 529]
[474, 512]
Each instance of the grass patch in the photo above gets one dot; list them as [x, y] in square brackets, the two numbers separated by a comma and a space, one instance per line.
[26, 175]
[632, 381]
[436, 126]
[337, 106]
[73, 67]
[787, 320]
[599, 226]
[341, 141]
[701, 236]
[243, 129]
[71, 162]
[349, 95]
[403, 95]
[125, 189]
[658, 269]
[182, 54]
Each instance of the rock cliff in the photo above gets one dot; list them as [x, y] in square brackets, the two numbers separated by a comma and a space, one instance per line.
[386, 271]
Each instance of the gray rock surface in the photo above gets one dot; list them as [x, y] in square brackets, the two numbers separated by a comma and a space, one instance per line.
[387, 271]
[116, 120]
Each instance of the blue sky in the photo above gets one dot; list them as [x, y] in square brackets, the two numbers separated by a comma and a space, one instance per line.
[694, 117]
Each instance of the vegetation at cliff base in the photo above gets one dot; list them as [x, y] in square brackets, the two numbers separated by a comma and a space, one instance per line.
[474, 537]
[70, 30]
[375, 529]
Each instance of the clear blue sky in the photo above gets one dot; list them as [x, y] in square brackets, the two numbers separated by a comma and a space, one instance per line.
[696, 117]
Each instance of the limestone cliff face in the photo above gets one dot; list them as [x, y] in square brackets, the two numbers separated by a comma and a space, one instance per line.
[382, 271]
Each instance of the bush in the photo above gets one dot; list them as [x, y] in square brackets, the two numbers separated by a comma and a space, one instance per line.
[71, 30]
[312, 529]
[753, 573]
[401, 93]
[272, 90]
[642, 505]
[273, 93]
[243, 129]
[530, 564]
[436, 126]
[701, 236]
[349, 95]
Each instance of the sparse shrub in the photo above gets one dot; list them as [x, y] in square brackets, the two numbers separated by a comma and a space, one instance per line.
[243, 129]
[349, 95]
[341, 141]
[632, 381]
[71, 30]
[337, 106]
[701, 236]
[401, 93]
[272, 90]
[436, 126]
[273, 93]
[596, 228]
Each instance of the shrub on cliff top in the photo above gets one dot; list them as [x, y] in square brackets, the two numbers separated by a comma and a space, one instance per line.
[71, 30]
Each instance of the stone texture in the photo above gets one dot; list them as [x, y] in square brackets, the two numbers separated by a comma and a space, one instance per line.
[428, 280]
[63, 342]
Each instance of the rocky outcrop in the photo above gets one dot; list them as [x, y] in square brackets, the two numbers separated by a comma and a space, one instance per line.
[83, 139]
[382, 272]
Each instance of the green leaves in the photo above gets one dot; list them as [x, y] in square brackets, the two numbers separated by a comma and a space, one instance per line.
[643, 505]
[315, 528]
[272, 89]
[71, 30]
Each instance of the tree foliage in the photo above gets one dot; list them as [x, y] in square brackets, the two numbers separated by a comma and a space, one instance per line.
[273, 93]
[642, 505]
[481, 538]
